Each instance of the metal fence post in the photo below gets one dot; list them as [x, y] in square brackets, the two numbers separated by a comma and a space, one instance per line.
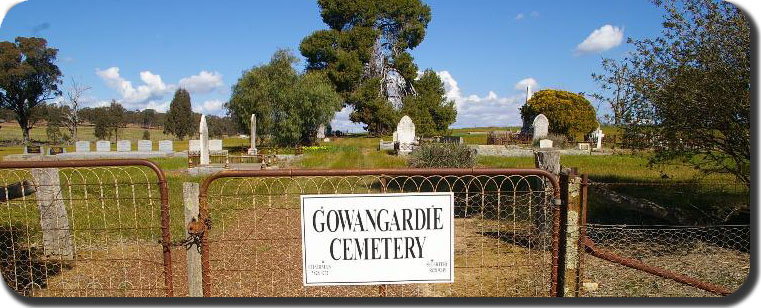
[190, 193]
[572, 250]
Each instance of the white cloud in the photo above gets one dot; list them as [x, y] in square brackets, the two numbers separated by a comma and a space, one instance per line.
[153, 87]
[602, 39]
[341, 122]
[521, 85]
[213, 106]
[481, 111]
[204, 82]
[519, 16]
[153, 93]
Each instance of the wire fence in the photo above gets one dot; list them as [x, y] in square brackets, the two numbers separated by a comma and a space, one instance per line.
[84, 231]
[697, 229]
[503, 234]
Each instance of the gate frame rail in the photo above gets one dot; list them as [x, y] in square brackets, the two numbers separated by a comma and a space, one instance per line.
[553, 180]
[166, 238]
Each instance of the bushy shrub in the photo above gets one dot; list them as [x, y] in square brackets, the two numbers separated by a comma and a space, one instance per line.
[442, 155]
[146, 135]
[569, 114]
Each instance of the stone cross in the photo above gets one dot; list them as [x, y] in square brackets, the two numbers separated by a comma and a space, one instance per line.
[598, 134]
[204, 137]
[252, 149]
[405, 134]
[541, 127]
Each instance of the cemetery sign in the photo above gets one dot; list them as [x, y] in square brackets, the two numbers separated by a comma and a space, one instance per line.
[365, 239]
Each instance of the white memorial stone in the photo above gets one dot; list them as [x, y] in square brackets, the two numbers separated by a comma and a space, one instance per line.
[82, 146]
[203, 131]
[166, 146]
[252, 149]
[194, 145]
[598, 135]
[583, 146]
[215, 145]
[541, 127]
[545, 144]
[103, 146]
[321, 131]
[123, 146]
[405, 134]
[144, 146]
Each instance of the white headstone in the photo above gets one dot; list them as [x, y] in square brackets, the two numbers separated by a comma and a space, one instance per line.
[203, 131]
[144, 146]
[395, 137]
[598, 134]
[583, 146]
[166, 146]
[123, 146]
[405, 133]
[194, 145]
[82, 146]
[103, 146]
[321, 131]
[545, 144]
[541, 127]
[215, 145]
[252, 149]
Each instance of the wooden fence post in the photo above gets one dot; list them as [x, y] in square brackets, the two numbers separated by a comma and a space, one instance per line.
[572, 250]
[56, 231]
[190, 193]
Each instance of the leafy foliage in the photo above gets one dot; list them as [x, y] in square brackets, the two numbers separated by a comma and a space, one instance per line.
[28, 78]
[365, 46]
[179, 118]
[442, 155]
[430, 110]
[690, 97]
[108, 120]
[568, 113]
[289, 106]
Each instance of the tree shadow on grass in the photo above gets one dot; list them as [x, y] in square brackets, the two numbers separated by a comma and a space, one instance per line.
[23, 268]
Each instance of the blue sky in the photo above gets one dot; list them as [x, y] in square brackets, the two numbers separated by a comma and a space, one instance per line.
[139, 51]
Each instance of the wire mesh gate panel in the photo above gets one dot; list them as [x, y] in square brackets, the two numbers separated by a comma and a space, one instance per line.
[506, 226]
[85, 228]
[716, 256]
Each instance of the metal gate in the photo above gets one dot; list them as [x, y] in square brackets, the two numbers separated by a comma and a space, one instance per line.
[85, 228]
[507, 226]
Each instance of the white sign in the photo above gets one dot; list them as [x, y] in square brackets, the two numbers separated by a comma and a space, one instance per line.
[365, 239]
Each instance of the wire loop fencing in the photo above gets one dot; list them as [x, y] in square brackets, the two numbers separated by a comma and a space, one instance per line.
[695, 233]
[85, 228]
[505, 230]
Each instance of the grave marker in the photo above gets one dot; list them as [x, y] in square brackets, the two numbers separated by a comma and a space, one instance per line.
[123, 146]
[541, 127]
[144, 146]
[82, 146]
[103, 146]
[166, 146]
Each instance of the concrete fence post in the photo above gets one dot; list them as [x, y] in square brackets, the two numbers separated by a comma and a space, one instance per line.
[572, 249]
[190, 192]
[56, 231]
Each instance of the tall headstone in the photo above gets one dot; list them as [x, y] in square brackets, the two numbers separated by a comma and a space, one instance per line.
[123, 146]
[144, 146]
[203, 131]
[215, 145]
[82, 146]
[529, 94]
[405, 134]
[194, 145]
[541, 127]
[166, 146]
[103, 146]
[252, 149]
[321, 131]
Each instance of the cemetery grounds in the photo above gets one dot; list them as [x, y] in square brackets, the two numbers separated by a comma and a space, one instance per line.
[718, 255]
